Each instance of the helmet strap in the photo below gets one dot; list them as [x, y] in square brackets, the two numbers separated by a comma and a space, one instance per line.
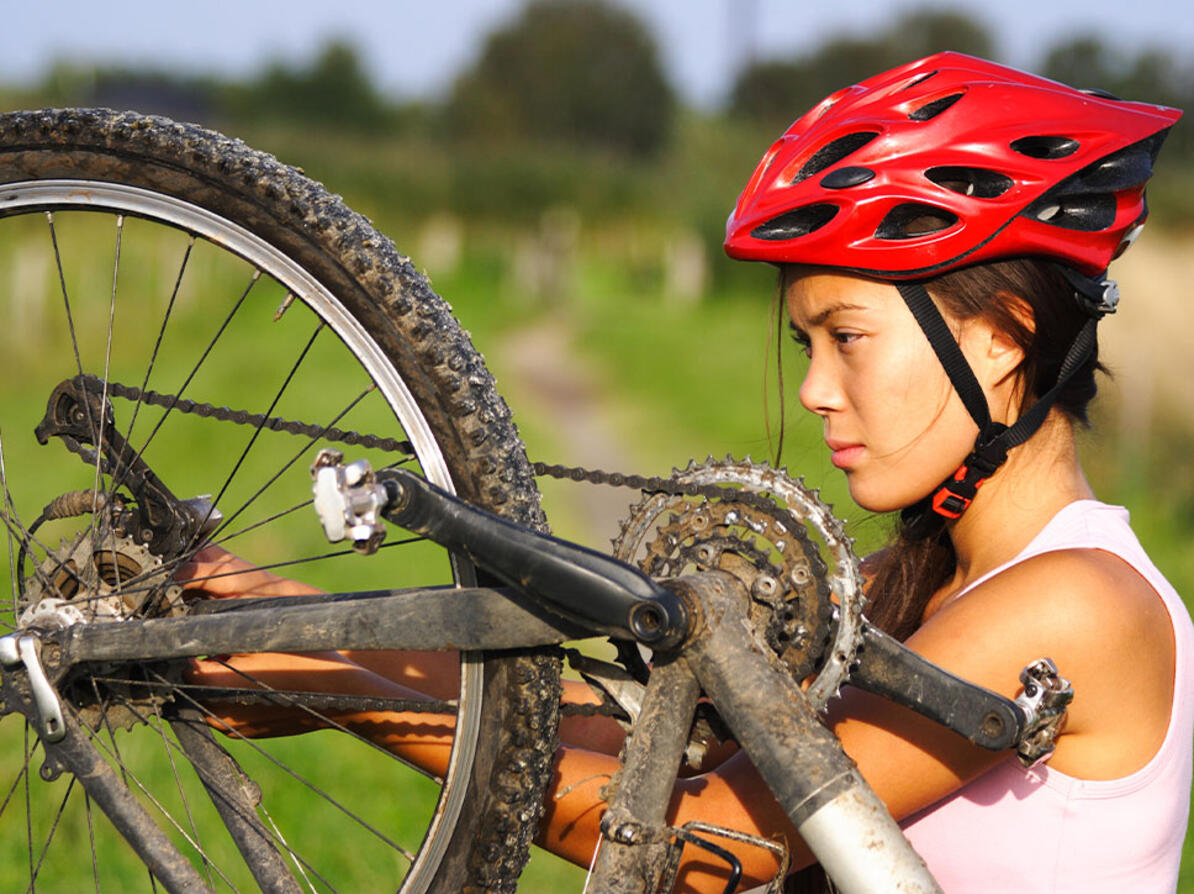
[954, 495]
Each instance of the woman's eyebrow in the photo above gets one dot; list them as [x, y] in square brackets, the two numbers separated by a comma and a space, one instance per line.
[826, 312]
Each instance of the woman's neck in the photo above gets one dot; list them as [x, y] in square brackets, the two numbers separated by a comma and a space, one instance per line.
[1039, 478]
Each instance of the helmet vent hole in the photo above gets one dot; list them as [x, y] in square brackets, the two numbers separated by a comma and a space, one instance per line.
[1045, 147]
[909, 220]
[794, 224]
[833, 152]
[1087, 213]
[1122, 170]
[936, 107]
[919, 79]
[978, 182]
[1100, 93]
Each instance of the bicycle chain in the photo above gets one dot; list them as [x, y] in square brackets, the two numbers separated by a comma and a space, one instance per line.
[643, 483]
[95, 385]
[655, 484]
[648, 484]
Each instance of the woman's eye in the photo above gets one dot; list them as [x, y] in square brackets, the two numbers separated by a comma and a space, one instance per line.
[803, 343]
[846, 338]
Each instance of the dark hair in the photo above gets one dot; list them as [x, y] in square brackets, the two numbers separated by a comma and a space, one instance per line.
[1030, 300]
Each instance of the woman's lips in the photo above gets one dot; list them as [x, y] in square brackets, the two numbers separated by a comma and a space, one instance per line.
[844, 455]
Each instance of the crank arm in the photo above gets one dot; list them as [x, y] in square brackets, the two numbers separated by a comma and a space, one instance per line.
[888, 668]
[598, 592]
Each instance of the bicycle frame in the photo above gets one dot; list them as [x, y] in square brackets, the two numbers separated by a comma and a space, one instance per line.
[697, 624]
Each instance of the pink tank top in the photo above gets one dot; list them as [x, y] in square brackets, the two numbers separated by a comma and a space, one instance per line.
[1030, 830]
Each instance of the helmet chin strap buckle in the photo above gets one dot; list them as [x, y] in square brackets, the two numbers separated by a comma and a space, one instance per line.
[957, 492]
[950, 502]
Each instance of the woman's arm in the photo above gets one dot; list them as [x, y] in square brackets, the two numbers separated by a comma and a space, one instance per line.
[1087, 610]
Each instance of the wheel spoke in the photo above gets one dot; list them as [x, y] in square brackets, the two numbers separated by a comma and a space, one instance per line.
[299, 865]
[27, 537]
[157, 344]
[16, 785]
[161, 809]
[311, 441]
[99, 447]
[178, 393]
[9, 514]
[53, 828]
[91, 840]
[28, 806]
[316, 790]
[291, 700]
[70, 319]
[77, 752]
[269, 412]
[113, 756]
[159, 258]
[186, 804]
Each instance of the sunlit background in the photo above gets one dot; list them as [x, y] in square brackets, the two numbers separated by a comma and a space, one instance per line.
[562, 171]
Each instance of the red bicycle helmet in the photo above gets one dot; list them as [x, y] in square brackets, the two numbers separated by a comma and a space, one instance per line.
[951, 161]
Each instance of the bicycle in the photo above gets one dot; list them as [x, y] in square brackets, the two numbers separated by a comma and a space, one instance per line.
[102, 632]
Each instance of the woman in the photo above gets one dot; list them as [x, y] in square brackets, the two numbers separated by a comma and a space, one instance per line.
[943, 232]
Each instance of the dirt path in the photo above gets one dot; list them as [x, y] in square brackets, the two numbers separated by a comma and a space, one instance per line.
[567, 415]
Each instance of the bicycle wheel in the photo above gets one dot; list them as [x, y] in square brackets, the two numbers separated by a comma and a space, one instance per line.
[190, 283]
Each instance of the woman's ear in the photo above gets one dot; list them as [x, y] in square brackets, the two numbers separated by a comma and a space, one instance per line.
[994, 351]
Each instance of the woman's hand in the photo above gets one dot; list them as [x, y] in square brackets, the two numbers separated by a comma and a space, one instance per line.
[215, 573]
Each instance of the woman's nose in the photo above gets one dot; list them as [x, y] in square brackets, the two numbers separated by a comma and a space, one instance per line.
[819, 392]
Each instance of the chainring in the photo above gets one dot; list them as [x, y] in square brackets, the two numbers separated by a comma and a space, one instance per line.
[775, 535]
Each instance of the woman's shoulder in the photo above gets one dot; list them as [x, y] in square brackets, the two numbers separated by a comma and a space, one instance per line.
[1085, 567]
[1078, 595]
[1102, 623]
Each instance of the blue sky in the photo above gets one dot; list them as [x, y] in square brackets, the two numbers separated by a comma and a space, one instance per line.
[415, 46]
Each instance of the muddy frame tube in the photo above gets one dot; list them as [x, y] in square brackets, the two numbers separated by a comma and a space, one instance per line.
[835, 811]
[75, 754]
[466, 619]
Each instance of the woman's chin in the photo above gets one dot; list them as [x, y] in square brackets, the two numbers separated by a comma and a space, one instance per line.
[874, 499]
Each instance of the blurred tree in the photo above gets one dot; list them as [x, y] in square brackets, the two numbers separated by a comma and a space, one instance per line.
[1151, 75]
[334, 89]
[925, 31]
[1084, 61]
[775, 92]
[580, 71]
